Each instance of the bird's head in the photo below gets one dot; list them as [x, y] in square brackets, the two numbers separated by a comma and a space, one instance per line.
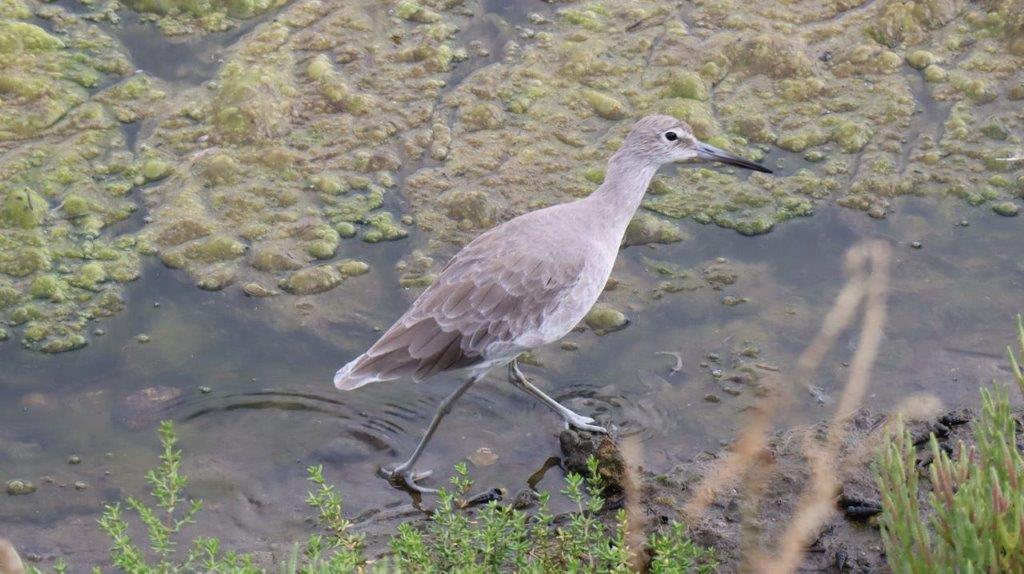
[659, 140]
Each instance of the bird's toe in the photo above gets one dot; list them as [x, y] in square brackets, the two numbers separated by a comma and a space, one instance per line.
[407, 478]
[580, 422]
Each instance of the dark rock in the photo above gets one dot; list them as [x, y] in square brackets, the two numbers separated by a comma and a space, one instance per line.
[483, 497]
[577, 446]
[732, 511]
[525, 498]
[862, 512]
[955, 418]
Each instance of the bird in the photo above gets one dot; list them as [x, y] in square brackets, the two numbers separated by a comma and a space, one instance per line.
[523, 284]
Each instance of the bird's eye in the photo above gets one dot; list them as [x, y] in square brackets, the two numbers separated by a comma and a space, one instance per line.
[671, 136]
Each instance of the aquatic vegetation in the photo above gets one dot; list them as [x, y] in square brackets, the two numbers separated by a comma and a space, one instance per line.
[312, 280]
[376, 121]
[179, 17]
[646, 228]
[66, 172]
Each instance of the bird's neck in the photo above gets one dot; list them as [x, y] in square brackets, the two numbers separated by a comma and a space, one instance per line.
[619, 196]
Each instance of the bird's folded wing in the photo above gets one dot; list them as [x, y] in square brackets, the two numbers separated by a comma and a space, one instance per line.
[485, 298]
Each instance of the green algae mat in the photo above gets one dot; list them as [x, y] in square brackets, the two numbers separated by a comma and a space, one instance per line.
[332, 128]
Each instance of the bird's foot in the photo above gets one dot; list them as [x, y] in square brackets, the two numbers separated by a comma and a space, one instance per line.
[580, 422]
[406, 478]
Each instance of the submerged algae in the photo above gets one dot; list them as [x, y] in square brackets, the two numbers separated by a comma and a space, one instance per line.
[64, 173]
[179, 17]
[319, 120]
[820, 89]
[299, 141]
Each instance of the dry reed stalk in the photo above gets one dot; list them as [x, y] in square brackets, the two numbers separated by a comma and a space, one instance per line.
[632, 451]
[10, 562]
[816, 501]
[755, 484]
[753, 438]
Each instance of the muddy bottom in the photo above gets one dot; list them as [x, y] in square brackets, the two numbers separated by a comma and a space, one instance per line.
[745, 522]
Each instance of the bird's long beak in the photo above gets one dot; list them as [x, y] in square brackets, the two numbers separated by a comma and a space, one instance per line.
[711, 153]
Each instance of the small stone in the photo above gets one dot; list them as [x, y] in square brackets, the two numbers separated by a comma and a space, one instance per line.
[525, 498]
[713, 357]
[711, 398]
[732, 511]
[74, 459]
[142, 339]
[483, 456]
[717, 373]
[731, 301]
[257, 290]
[156, 303]
[205, 390]
[569, 346]
[1006, 208]
[79, 485]
[915, 244]
[18, 487]
[99, 332]
[604, 319]
[964, 223]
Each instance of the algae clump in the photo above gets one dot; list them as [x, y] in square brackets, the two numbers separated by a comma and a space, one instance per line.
[24, 208]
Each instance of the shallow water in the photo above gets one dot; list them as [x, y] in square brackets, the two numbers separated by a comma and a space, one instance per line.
[270, 410]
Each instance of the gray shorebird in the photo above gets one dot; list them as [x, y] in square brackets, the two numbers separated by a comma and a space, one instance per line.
[524, 284]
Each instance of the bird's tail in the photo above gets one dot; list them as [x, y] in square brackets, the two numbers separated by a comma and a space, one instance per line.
[358, 372]
[349, 377]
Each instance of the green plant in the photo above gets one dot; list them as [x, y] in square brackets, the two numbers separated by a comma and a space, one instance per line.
[501, 539]
[495, 538]
[977, 500]
[1013, 359]
[339, 551]
[162, 523]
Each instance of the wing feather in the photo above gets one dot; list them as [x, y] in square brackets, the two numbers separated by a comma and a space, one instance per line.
[491, 293]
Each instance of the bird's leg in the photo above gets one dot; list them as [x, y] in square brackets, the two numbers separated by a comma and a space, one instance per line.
[571, 419]
[404, 472]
